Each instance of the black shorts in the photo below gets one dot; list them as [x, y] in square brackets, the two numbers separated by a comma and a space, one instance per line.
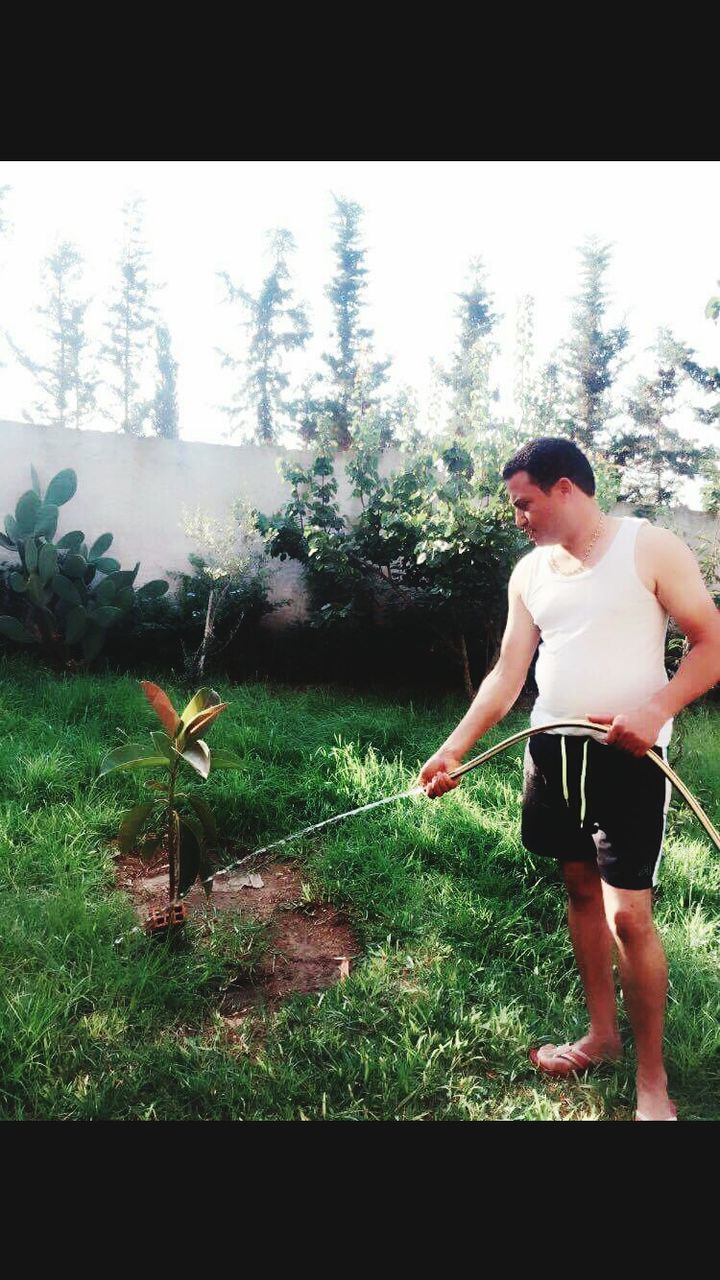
[598, 804]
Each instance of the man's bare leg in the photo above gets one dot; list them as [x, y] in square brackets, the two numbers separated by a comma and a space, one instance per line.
[643, 976]
[593, 946]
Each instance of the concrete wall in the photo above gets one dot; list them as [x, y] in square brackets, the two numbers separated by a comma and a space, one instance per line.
[137, 490]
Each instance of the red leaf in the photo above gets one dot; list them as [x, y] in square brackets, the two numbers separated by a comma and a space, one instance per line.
[161, 705]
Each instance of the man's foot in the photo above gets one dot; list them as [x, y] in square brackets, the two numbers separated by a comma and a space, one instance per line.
[564, 1059]
[653, 1102]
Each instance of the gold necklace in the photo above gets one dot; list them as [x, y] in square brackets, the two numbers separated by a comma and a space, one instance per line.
[568, 573]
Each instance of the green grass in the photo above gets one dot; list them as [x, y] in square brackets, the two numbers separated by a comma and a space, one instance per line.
[466, 958]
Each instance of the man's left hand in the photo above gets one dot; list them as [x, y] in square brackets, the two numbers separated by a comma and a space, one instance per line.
[634, 731]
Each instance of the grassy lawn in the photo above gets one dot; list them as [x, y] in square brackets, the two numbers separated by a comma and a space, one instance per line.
[467, 960]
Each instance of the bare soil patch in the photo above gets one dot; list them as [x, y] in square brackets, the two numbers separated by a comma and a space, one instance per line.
[311, 944]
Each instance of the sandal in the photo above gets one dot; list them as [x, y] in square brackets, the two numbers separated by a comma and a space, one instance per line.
[573, 1060]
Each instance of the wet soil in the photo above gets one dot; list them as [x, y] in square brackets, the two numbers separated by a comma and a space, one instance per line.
[311, 944]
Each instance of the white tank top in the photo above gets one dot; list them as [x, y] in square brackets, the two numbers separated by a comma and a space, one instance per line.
[602, 648]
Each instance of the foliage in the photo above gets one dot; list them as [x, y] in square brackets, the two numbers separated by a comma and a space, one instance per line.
[592, 352]
[435, 540]
[165, 404]
[189, 836]
[132, 315]
[353, 382]
[67, 384]
[468, 378]
[68, 593]
[654, 458]
[277, 325]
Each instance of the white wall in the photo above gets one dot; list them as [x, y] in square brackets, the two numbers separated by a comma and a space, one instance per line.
[137, 489]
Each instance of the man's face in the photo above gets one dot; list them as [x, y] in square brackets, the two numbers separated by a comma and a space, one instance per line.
[536, 513]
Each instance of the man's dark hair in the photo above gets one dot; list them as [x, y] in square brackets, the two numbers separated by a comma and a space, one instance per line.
[550, 458]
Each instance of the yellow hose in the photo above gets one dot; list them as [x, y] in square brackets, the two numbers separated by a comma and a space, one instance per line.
[677, 782]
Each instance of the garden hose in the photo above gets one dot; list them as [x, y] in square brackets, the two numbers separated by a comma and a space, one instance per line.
[677, 782]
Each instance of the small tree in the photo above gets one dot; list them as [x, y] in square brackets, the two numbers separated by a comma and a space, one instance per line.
[593, 351]
[277, 325]
[165, 404]
[132, 315]
[354, 380]
[68, 385]
[468, 378]
[654, 457]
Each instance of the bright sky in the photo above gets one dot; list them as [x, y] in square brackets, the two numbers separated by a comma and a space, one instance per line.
[423, 222]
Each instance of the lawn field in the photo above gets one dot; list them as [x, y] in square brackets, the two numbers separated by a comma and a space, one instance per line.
[466, 961]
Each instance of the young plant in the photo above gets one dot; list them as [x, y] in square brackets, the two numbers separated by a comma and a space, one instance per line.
[189, 836]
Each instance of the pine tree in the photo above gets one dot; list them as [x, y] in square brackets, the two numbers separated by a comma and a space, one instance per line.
[593, 351]
[653, 456]
[165, 404]
[132, 315]
[708, 379]
[277, 325]
[469, 376]
[355, 378]
[67, 384]
[525, 392]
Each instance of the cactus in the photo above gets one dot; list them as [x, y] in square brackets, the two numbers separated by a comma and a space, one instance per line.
[68, 595]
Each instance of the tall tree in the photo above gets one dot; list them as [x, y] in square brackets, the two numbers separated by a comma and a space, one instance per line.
[132, 315]
[525, 392]
[67, 383]
[593, 350]
[468, 378]
[165, 404]
[708, 379]
[277, 325]
[653, 456]
[354, 378]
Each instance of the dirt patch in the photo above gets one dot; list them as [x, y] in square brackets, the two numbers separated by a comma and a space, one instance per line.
[311, 944]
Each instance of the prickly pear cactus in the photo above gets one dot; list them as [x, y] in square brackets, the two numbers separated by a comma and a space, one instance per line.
[67, 594]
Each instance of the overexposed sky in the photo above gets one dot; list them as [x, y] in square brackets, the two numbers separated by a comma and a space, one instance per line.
[423, 222]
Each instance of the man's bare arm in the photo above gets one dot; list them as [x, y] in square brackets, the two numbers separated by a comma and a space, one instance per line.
[496, 695]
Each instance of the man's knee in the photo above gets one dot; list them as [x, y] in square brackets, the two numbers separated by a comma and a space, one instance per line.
[629, 915]
[582, 881]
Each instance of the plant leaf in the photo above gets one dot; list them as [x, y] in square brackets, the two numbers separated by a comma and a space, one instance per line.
[62, 487]
[31, 555]
[205, 815]
[225, 760]
[132, 755]
[106, 615]
[74, 565]
[203, 699]
[106, 564]
[161, 705]
[154, 589]
[15, 630]
[28, 505]
[46, 521]
[47, 562]
[100, 546]
[18, 583]
[197, 754]
[35, 481]
[106, 591]
[71, 541]
[163, 743]
[75, 624]
[203, 720]
[189, 857]
[132, 824]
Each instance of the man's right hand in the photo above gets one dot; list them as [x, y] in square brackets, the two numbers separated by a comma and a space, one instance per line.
[434, 774]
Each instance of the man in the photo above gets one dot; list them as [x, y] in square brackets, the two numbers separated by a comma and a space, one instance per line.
[596, 593]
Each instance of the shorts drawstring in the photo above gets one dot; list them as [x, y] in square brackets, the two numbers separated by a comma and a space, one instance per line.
[582, 783]
[583, 774]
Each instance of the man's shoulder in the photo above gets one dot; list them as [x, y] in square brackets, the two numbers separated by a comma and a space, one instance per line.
[521, 573]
